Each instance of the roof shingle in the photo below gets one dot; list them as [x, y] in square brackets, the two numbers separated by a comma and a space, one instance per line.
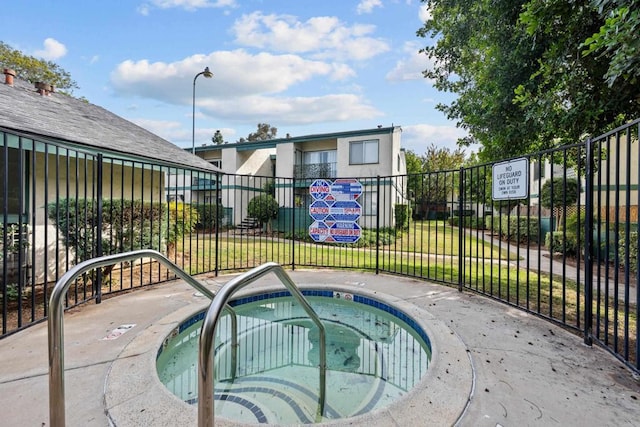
[63, 117]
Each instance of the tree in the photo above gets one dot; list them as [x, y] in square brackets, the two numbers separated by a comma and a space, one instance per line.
[217, 138]
[519, 73]
[437, 182]
[617, 38]
[559, 192]
[480, 57]
[35, 70]
[265, 132]
[263, 208]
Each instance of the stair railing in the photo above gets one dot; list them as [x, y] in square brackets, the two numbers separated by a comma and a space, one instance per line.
[206, 354]
[56, 325]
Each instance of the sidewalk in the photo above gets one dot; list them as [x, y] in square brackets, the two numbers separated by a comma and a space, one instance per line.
[515, 369]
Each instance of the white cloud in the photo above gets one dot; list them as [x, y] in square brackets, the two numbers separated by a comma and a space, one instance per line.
[323, 37]
[424, 13]
[411, 66]
[189, 5]
[419, 137]
[236, 73]
[294, 110]
[367, 6]
[244, 87]
[52, 50]
[169, 130]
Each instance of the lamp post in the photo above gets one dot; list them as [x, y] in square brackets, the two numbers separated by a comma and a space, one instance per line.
[208, 74]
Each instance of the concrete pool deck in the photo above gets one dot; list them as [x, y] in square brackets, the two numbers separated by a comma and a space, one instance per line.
[494, 365]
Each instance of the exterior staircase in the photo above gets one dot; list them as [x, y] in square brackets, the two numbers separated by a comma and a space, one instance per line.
[248, 224]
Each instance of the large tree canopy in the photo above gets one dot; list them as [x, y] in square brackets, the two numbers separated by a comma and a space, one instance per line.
[618, 39]
[35, 70]
[522, 73]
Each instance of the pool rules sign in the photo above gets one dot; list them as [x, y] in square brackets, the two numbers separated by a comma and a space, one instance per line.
[511, 180]
[335, 210]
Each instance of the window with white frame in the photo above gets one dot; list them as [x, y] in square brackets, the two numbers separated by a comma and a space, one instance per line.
[363, 152]
[216, 163]
[316, 157]
[369, 202]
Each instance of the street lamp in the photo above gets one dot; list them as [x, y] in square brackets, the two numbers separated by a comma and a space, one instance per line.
[208, 74]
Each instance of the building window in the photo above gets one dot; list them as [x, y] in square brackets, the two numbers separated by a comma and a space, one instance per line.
[216, 163]
[369, 203]
[11, 166]
[363, 152]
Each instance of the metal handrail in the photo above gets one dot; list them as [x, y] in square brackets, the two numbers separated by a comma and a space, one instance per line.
[206, 353]
[56, 325]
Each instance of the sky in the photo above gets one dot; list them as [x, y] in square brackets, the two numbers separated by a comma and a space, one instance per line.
[304, 67]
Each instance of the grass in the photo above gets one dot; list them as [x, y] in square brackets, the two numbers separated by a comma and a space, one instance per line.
[428, 250]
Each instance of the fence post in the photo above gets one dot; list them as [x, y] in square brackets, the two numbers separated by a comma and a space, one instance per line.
[588, 245]
[378, 225]
[218, 220]
[460, 230]
[293, 224]
[98, 283]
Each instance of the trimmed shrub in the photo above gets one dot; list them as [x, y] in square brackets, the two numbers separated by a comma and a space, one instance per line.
[633, 251]
[126, 225]
[403, 215]
[207, 219]
[263, 208]
[182, 221]
[554, 241]
[523, 229]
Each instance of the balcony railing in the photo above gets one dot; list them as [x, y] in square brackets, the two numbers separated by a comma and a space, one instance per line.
[315, 170]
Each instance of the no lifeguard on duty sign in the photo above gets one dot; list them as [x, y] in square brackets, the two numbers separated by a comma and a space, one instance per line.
[510, 180]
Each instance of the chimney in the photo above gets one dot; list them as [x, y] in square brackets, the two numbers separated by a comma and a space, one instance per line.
[43, 89]
[9, 74]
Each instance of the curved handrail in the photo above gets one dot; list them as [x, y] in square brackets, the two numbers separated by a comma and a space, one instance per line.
[206, 353]
[56, 325]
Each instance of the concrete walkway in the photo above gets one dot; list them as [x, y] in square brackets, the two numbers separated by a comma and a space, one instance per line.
[493, 365]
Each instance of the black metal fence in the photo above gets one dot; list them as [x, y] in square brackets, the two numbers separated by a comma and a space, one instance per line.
[566, 250]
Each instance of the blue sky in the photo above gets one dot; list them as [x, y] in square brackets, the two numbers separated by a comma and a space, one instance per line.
[305, 67]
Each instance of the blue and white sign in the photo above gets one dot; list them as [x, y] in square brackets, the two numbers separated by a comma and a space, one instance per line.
[319, 231]
[335, 210]
[346, 189]
[319, 210]
[345, 210]
[320, 189]
[344, 232]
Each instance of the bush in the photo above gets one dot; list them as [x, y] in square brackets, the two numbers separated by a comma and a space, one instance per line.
[126, 225]
[182, 221]
[633, 251]
[403, 215]
[468, 222]
[523, 229]
[263, 208]
[368, 238]
[496, 225]
[514, 229]
[207, 219]
[554, 241]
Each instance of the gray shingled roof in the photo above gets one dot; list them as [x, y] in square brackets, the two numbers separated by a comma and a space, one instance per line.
[63, 117]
